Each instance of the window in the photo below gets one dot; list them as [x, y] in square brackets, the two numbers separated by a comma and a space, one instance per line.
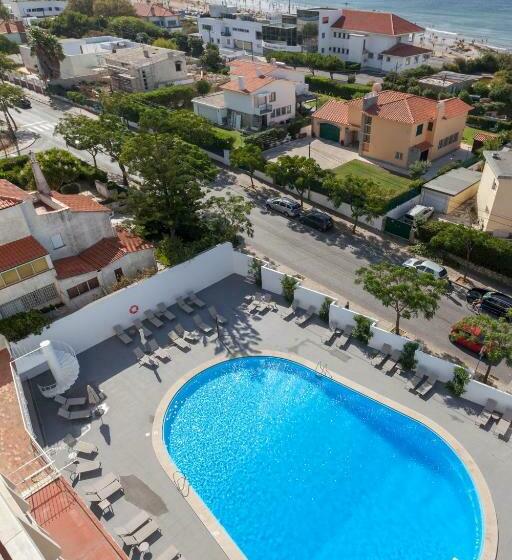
[407, 61]
[10, 277]
[430, 126]
[83, 288]
[25, 271]
[288, 109]
[119, 274]
[178, 66]
[329, 49]
[388, 59]
[40, 265]
[322, 49]
[323, 35]
[347, 51]
[272, 97]
[325, 19]
[370, 55]
[419, 129]
[380, 57]
[207, 27]
[399, 155]
[56, 240]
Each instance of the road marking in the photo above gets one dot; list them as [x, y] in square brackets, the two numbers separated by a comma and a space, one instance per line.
[39, 126]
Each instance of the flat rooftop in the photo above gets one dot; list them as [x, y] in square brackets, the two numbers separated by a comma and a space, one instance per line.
[500, 162]
[133, 393]
[212, 100]
[454, 182]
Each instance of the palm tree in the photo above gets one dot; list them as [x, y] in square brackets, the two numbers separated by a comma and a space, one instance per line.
[48, 51]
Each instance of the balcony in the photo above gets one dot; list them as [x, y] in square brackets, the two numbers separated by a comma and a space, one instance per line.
[264, 109]
[226, 33]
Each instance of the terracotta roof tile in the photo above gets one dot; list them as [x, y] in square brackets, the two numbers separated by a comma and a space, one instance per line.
[455, 107]
[483, 136]
[79, 202]
[101, 254]
[151, 10]
[19, 252]
[251, 84]
[9, 27]
[10, 194]
[404, 49]
[333, 111]
[250, 69]
[383, 23]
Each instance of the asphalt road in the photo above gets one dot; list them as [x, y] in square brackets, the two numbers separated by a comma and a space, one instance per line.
[329, 260]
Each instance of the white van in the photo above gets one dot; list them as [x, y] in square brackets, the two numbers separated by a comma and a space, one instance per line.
[418, 215]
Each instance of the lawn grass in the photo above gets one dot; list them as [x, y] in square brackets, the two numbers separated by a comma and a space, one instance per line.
[469, 134]
[383, 178]
[239, 141]
[322, 100]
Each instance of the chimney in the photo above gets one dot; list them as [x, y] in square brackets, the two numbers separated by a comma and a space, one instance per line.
[41, 183]
[241, 82]
[369, 100]
[441, 107]
[146, 53]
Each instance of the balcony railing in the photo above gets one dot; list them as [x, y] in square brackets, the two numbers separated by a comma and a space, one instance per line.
[264, 109]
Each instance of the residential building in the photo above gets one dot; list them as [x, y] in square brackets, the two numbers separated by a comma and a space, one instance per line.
[21, 9]
[57, 248]
[14, 31]
[145, 68]
[448, 82]
[83, 58]
[447, 192]
[392, 127]
[494, 198]
[258, 95]
[157, 14]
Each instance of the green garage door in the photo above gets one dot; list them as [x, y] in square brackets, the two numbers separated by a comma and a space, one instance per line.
[329, 132]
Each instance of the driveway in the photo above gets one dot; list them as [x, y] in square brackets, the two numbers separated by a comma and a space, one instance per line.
[327, 154]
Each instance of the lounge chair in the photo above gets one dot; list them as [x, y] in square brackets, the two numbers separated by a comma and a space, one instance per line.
[178, 341]
[345, 336]
[420, 375]
[195, 300]
[72, 401]
[138, 324]
[74, 414]
[384, 354]
[291, 314]
[333, 336]
[303, 319]
[391, 363]
[156, 350]
[487, 412]
[121, 335]
[150, 316]
[101, 483]
[505, 424]
[427, 385]
[141, 534]
[217, 317]
[266, 303]
[201, 325]
[135, 523]
[190, 336]
[255, 304]
[161, 310]
[84, 467]
[79, 446]
[139, 353]
[184, 306]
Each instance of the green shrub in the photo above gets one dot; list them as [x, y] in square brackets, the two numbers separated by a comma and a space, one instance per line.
[362, 331]
[324, 309]
[267, 137]
[289, 285]
[77, 97]
[351, 79]
[19, 326]
[407, 358]
[461, 377]
[10, 169]
[255, 270]
[71, 188]
[485, 123]
[332, 87]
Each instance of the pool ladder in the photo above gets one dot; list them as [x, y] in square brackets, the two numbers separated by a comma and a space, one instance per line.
[181, 482]
[321, 369]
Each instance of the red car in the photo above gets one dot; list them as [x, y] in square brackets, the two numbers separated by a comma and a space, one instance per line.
[467, 336]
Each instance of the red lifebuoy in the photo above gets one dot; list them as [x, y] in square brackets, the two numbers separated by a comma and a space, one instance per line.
[133, 309]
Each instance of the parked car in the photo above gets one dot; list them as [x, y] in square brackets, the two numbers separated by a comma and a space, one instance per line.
[476, 293]
[468, 336]
[429, 267]
[24, 103]
[318, 220]
[284, 205]
[418, 215]
[496, 304]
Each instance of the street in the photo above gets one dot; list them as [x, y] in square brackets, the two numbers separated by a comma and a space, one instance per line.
[329, 260]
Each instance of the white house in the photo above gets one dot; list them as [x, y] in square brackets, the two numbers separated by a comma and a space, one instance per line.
[258, 95]
[57, 248]
[35, 8]
[157, 14]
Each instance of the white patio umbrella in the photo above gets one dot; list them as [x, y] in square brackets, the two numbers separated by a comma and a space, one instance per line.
[143, 339]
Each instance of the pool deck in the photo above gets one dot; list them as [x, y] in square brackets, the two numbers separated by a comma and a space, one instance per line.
[125, 433]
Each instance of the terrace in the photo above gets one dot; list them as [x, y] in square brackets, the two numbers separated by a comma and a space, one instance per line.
[133, 392]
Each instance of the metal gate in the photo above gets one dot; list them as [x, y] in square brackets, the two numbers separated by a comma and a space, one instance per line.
[398, 228]
[329, 132]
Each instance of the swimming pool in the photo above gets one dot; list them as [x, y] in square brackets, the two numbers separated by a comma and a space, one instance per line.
[294, 465]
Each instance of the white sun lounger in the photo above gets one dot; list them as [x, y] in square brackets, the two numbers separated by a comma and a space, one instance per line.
[291, 314]
[255, 304]
[156, 350]
[141, 534]
[150, 316]
[505, 423]
[74, 414]
[138, 324]
[303, 319]
[487, 412]
[161, 310]
[201, 325]
[420, 375]
[121, 335]
[195, 300]
[190, 336]
[133, 524]
[391, 363]
[346, 335]
[334, 334]
[84, 467]
[427, 385]
[72, 401]
[85, 448]
[178, 341]
[139, 353]
[184, 306]
[101, 483]
[216, 316]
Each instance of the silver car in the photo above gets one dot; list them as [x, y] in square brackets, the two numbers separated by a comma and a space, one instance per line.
[430, 267]
[284, 205]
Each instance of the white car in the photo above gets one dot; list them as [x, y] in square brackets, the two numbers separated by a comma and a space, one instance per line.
[285, 205]
[430, 267]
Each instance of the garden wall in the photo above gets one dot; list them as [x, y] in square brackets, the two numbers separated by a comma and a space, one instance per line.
[306, 298]
[381, 337]
[340, 317]
[271, 280]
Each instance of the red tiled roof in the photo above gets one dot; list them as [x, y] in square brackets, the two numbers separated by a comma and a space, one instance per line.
[423, 146]
[251, 84]
[256, 75]
[151, 10]
[79, 202]
[10, 194]
[383, 23]
[403, 50]
[100, 254]
[455, 107]
[19, 252]
[12, 27]
[333, 111]
[483, 136]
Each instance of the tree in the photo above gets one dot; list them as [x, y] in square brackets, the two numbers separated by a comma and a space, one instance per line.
[58, 167]
[75, 24]
[249, 158]
[172, 173]
[10, 96]
[165, 43]
[363, 196]
[404, 289]
[299, 173]
[7, 46]
[113, 133]
[19, 326]
[48, 51]
[80, 6]
[195, 46]
[112, 8]
[227, 217]
[313, 61]
[82, 133]
[6, 65]
[418, 169]
[459, 239]
[210, 59]
[495, 334]
[203, 87]
[331, 64]
[130, 27]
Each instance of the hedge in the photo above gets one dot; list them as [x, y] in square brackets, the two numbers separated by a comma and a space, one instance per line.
[490, 252]
[266, 138]
[333, 87]
[485, 123]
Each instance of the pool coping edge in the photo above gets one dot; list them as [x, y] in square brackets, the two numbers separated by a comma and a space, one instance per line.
[489, 549]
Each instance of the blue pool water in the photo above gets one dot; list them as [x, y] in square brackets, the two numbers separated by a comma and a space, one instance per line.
[295, 466]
